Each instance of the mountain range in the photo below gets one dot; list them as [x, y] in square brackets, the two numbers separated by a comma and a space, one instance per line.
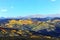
[55, 33]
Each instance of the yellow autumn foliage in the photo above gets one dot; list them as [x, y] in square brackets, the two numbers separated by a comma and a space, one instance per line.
[20, 32]
[47, 37]
[9, 25]
[21, 22]
[3, 31]
[12, 22]
[27, 22]
[13, 30]
[34, 36]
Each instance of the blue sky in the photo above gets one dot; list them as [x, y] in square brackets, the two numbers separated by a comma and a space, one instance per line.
[28, 7]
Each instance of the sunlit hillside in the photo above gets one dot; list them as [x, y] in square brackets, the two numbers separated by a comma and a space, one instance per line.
[32, 28]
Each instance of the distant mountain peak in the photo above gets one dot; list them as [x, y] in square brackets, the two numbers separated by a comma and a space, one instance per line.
[36, 16]
[53, 15]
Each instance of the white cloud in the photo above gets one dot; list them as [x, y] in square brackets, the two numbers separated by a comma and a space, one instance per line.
[53, 0]
[3, 10]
